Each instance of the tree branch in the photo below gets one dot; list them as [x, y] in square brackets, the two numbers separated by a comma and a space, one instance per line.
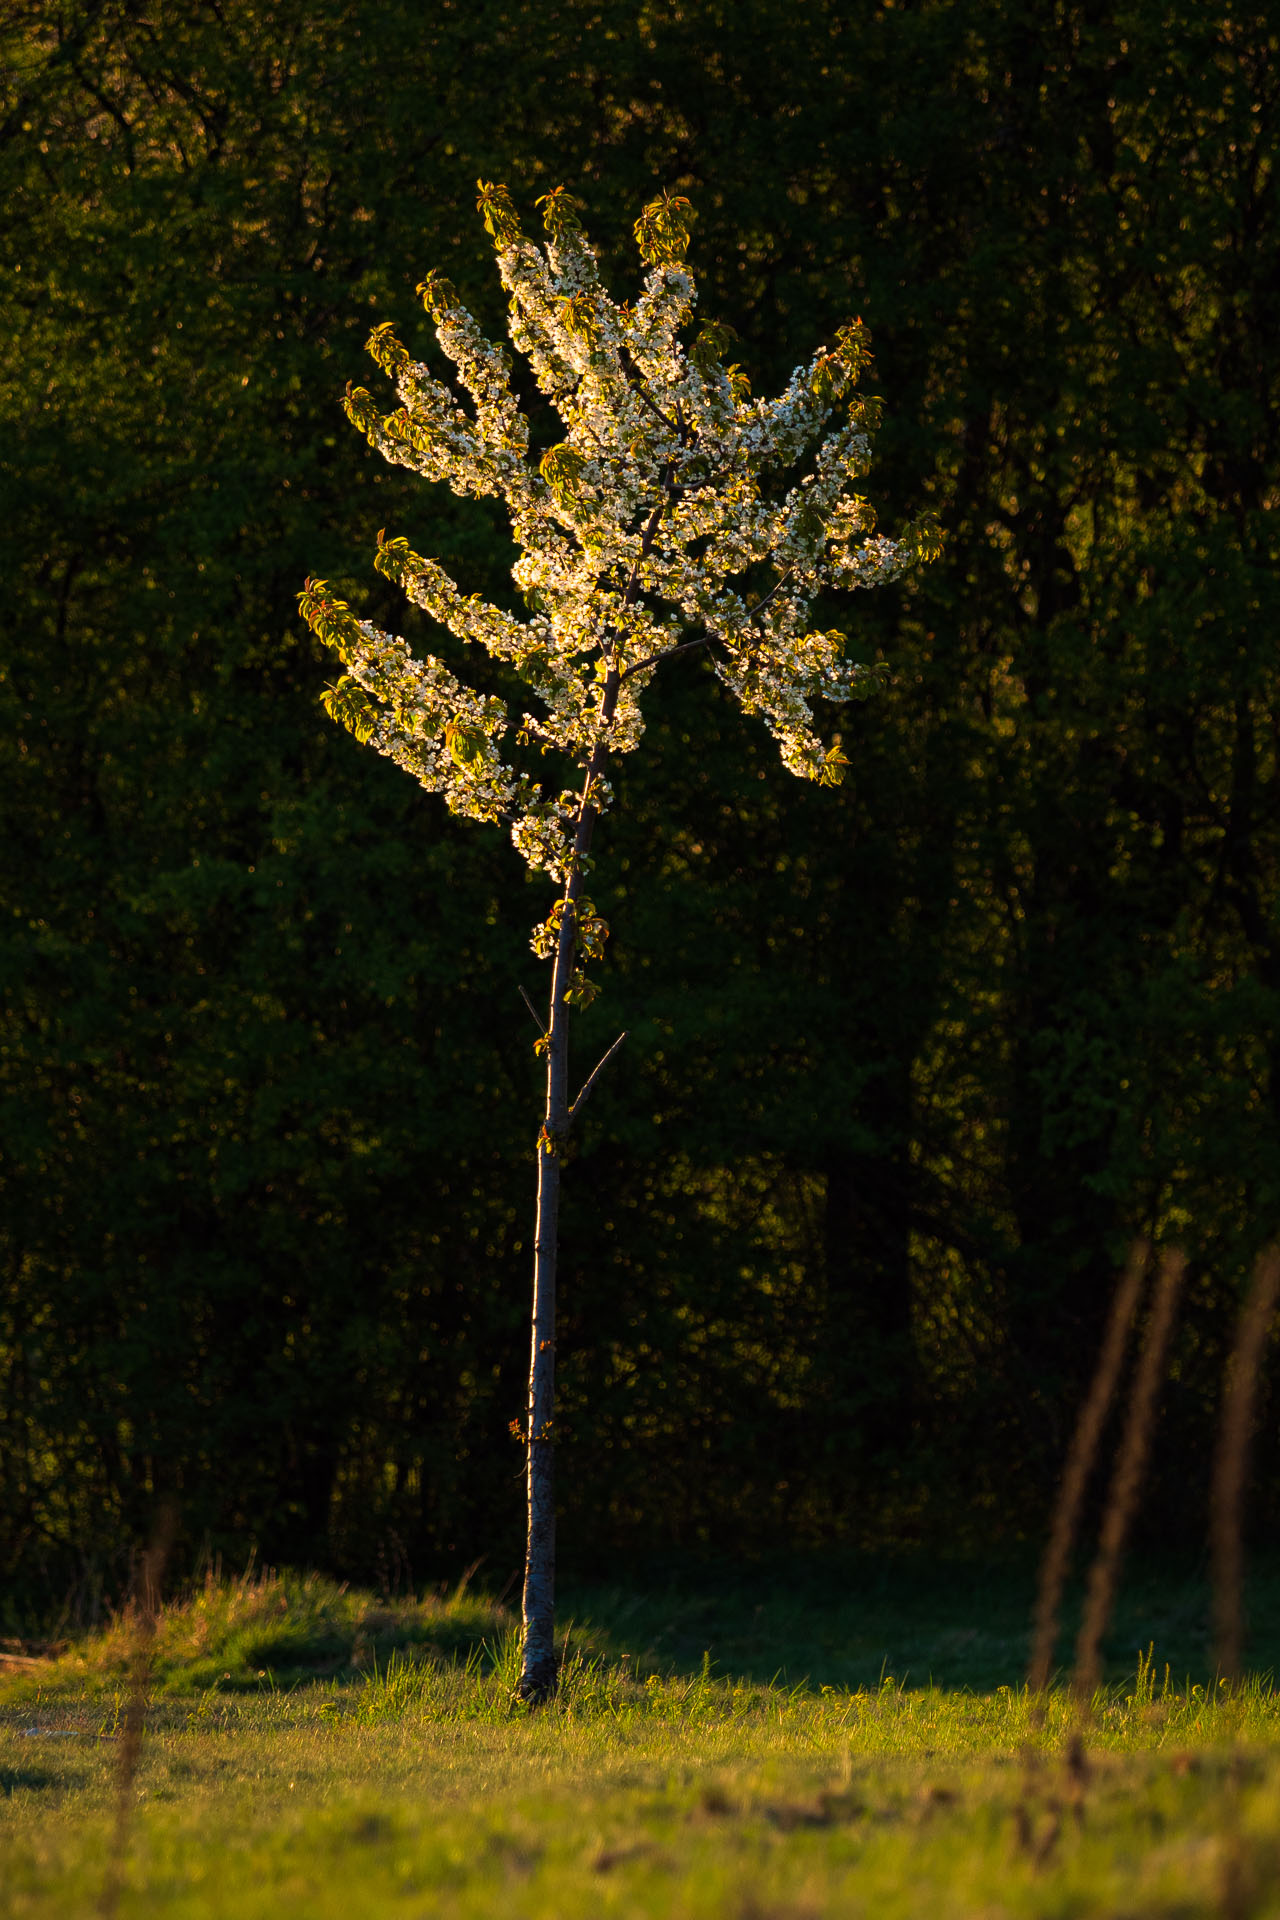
[766, 598]
[599, 1068]
[646, 547]
[534, 1011]
[653, 406]
[685, 646]
[638, 389]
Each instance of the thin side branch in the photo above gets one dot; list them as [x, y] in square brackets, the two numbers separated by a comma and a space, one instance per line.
[686, 645]
[637, 386]
[764, 599]
[598, 1069]
[655, 659]
[534, 1011]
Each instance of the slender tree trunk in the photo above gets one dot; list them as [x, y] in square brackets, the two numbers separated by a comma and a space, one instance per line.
[538, 1665]
[538, 1654]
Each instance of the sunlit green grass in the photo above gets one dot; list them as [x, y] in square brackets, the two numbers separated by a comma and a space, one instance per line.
[268, 1632]
[405, 1781]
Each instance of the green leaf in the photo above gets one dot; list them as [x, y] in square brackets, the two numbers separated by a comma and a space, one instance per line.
[466, 743]
[350, 706]
[389, 352]
[834, 764]
[561, 467]
[581, 991]
[500, 218]
[581, 317]
[437, 293]
[560, 212]
[396, 559]
[708, 349]
[330, 619]
[853, 347]
[924, 537]
[663, 229]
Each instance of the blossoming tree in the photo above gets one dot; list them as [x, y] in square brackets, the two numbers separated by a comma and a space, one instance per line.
[661, 523]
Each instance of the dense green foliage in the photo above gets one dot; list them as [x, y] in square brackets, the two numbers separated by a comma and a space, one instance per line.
[909, 1061]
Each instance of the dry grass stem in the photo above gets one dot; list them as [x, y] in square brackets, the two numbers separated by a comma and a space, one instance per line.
[1126, 1481]
[1226, 1508]
[1079, 1464]
[145, 1611]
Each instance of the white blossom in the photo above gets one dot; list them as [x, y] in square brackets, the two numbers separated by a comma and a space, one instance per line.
[650, 524]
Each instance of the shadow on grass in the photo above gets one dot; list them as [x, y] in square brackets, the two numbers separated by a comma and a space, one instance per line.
[847, 1623]
[34, 1780]
[843, 1623]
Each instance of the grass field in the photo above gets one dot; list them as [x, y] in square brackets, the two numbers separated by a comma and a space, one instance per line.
[784, 1752]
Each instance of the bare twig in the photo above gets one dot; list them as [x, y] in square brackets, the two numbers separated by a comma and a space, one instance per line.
[1126, 1480]
[145, 1609]
[750, 614]
[705, 640]
[647, 538]
[1079, 1464]
[638, 388]
[655, 659]
[1231, 1462]
[594, 1075]
[534, 1011]
[765, 598]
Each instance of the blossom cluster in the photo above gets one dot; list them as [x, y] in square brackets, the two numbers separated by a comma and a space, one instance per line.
[654, 522]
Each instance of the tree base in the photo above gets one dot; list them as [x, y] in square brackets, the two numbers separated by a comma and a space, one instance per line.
[538, 1682]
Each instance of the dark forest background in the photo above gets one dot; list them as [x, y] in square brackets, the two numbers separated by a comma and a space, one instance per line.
[910, 1061]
